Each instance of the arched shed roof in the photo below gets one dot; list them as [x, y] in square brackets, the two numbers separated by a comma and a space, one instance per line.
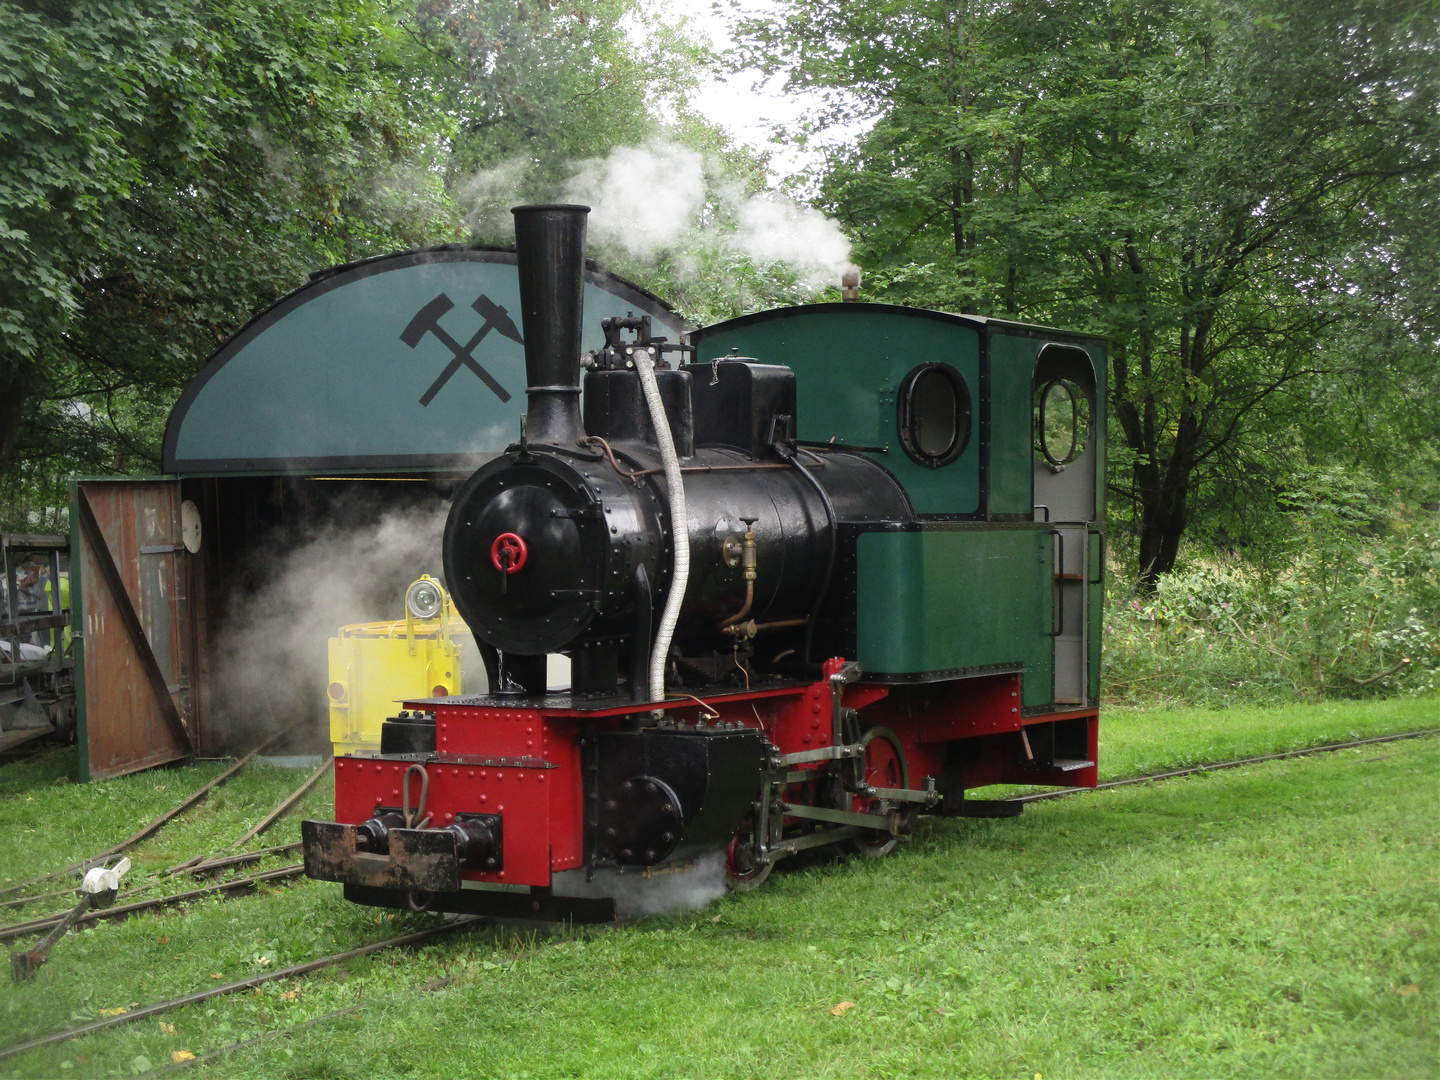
[409, 361]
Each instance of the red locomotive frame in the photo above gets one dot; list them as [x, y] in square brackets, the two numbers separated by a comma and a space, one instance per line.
[526, 765]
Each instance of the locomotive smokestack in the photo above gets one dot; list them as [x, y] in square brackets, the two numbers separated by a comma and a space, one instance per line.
[550, 253]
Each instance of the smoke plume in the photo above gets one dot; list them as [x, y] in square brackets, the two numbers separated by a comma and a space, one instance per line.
[662, 891]
[668, 200]
[271, 659]
[640, 200]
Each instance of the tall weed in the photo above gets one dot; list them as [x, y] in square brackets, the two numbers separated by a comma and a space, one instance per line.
[1349, 608]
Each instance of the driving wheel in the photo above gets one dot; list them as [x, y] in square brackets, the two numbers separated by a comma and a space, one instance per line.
[883, 766]
[742, 873]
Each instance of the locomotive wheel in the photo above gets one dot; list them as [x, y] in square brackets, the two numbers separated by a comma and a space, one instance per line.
[742, 875]
[883, 766]
[63, 720]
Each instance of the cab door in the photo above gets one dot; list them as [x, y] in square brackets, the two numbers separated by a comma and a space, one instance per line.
[1066, 457]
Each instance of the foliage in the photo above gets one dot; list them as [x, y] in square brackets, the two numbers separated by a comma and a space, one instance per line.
[1226, 190]
[705, 275]
[170, 167]
[527, 90]
[1339, 612]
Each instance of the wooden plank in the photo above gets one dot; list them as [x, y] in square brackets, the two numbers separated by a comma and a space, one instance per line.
[100, 552]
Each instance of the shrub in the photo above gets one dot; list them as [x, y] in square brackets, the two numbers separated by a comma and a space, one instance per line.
[1350, 608]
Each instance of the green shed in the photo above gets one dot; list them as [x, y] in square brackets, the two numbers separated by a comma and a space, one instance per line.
[342, 415]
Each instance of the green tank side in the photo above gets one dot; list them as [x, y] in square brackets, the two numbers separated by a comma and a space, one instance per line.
[849, 361]
[945, 599]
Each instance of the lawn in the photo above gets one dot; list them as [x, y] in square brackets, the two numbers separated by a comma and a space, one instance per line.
[1277, 920]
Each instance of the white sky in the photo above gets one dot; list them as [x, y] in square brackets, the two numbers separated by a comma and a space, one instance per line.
[748, 112]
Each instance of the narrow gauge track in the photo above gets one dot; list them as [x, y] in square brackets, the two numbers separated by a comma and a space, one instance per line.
[423, 935]
[194, 867]
[209, 866]
[77, 869]
[122, 911]
[351, 1010]
[238, 886]
[1172, 774]
[286, 805]
[159, 1008]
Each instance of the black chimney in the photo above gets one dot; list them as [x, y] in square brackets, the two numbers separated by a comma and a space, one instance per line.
[550, 254]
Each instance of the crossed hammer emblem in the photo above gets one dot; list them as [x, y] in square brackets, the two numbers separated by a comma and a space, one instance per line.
[427, 321]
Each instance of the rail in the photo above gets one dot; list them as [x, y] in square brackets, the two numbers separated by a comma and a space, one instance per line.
[160, 1008]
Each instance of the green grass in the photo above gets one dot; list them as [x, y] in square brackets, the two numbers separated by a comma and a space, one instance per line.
[1278, 920]
[1134, 742]
[56, 821]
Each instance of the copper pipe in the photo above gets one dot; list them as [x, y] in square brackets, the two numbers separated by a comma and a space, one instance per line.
[750, 629]
[749, 599]
[781, 624]
[708, 711]
[609, 453]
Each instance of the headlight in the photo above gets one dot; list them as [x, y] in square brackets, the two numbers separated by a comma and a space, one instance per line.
[423, 598]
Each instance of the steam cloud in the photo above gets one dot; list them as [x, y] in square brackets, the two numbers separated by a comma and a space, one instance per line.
[669, 198]
[681, 888]
[640, 200]
[272, 656]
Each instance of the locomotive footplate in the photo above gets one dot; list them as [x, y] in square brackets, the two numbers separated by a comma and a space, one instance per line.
[419, 860]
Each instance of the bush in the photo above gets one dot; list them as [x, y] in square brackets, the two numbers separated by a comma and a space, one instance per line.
[1350, 608]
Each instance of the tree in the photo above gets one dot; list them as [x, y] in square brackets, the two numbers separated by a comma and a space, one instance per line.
[170, 167]
[524, 91]
[1204, 184]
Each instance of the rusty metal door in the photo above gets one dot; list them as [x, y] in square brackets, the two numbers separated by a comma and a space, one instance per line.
[134, 632]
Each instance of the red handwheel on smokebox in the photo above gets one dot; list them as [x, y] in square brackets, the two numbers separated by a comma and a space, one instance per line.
[508, 553]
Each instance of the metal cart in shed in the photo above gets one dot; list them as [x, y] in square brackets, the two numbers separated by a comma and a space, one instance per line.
[37, 686]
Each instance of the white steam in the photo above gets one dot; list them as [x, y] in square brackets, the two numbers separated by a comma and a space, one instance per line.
[490, 194]
[640, 200]
[661, 891]
[272, 657]
[775, 230]
[669, 200]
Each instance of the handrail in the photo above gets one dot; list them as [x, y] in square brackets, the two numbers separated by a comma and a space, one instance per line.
[1059, 593]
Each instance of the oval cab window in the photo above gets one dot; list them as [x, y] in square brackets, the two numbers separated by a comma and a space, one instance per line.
[934, 414]
[1062, 422]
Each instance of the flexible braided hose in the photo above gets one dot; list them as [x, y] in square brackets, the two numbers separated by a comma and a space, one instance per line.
[679, 523]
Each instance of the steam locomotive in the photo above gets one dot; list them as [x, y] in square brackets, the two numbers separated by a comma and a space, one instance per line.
[818, 570]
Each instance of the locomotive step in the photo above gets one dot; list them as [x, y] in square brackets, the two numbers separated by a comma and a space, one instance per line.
[1070, 764]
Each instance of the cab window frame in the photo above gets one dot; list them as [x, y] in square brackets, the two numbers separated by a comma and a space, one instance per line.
[909, 418]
